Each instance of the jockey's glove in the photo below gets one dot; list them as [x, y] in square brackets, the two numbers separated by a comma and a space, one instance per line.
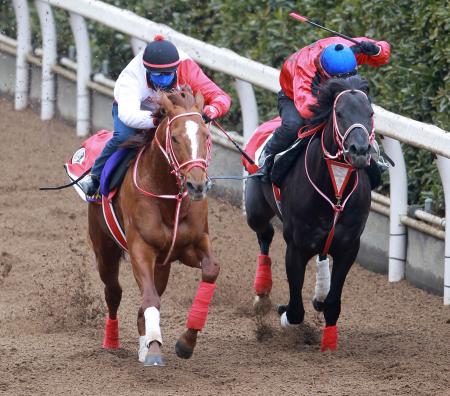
[209, 113]
[366, 48]
[156, 121]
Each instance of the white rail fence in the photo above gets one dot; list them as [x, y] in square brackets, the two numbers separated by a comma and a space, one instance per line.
[394, 128]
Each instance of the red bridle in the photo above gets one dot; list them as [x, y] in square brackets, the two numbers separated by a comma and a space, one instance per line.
[339, 138]
[177, 168]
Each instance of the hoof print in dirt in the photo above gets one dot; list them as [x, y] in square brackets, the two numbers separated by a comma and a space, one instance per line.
[5, 265]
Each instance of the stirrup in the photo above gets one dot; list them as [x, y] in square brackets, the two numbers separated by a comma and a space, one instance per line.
[90, 185]
[383, 164]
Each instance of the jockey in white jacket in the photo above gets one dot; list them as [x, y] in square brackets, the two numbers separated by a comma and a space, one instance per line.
[158, 67]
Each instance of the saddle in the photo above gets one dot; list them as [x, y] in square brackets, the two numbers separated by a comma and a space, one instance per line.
[113, 172]
[283, 160]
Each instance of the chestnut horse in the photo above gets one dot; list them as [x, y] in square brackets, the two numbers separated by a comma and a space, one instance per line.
[162, 208]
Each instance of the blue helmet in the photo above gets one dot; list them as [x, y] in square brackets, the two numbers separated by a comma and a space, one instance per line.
[337, 59]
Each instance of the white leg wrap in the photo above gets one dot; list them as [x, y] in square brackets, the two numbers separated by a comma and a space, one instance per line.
[322, 279]
[152, 330]
[285, 322]
[143, 349]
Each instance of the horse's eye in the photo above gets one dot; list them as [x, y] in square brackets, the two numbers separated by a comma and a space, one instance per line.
[174, 139]
[338, 114]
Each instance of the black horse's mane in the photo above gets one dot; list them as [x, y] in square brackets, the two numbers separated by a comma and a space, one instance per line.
[182, 96]
[328, 92]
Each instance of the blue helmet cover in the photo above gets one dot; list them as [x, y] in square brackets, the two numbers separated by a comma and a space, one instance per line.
[338, 59]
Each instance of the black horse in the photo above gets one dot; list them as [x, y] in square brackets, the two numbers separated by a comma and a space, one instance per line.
[318, 217]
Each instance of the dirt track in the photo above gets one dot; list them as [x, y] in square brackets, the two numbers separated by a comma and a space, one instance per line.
[394, 339]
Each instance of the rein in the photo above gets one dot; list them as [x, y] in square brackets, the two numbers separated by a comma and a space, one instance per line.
[173, 162]
[339, 139]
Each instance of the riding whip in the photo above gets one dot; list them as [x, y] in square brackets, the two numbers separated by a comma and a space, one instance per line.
[247, 157]
[304, 19]
[65, 185]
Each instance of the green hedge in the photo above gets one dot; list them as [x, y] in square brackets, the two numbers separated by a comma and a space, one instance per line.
[416, 83]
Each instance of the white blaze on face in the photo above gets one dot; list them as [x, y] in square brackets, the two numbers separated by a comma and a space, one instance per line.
[191, 130]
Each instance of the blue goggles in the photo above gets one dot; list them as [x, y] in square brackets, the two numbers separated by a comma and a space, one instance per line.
[161, 79]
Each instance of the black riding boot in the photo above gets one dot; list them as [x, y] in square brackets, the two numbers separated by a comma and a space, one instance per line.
[90, 185]
[374, 173]
[265, 162]
[284, 135]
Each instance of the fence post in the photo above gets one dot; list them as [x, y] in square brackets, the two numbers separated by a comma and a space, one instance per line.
[23, 49]
[79, 30]
[249, 111]
[399, 206]
[49, 57]
[443, 165]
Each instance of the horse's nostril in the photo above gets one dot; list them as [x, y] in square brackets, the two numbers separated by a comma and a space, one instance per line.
[195, 187]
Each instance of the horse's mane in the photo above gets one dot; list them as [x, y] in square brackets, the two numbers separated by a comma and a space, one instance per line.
[328, 92]
[181, 96]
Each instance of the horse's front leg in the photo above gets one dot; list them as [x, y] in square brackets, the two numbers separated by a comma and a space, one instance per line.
[342, 262]
[143, 259]
[199, 311]
[294, 313]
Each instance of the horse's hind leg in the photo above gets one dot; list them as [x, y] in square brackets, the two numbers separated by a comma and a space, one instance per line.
[259, 214]
[108, 256]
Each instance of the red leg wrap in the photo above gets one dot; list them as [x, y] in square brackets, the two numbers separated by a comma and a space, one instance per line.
[199, 310]
[263, 277]
[329, 338]
[111, 338]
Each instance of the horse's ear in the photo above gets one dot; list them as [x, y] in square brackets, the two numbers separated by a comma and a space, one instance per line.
[199, 100]
[166, 104]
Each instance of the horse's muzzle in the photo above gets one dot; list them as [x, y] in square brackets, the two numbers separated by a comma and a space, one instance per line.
[358, 156]
[197, 190]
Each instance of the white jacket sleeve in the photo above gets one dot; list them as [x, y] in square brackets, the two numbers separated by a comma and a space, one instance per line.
[127, 93]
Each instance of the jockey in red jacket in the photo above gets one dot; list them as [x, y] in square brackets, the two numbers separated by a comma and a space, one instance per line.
[159, 67]
[301, 75]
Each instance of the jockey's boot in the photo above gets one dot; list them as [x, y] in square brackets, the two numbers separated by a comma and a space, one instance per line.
[90, 184]
[378, 165]
[266, 160]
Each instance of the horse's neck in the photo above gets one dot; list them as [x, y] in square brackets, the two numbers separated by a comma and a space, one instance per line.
[154, 169]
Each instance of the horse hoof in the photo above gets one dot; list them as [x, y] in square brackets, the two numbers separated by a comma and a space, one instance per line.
[154, 360]
[281, 309]
[183, 351]
[319, 306]
[285, 324]
[262, 305]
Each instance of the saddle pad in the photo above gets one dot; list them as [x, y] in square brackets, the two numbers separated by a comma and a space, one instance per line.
[257, 141]
[283, 160]
[114, 170]
[85, 156]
